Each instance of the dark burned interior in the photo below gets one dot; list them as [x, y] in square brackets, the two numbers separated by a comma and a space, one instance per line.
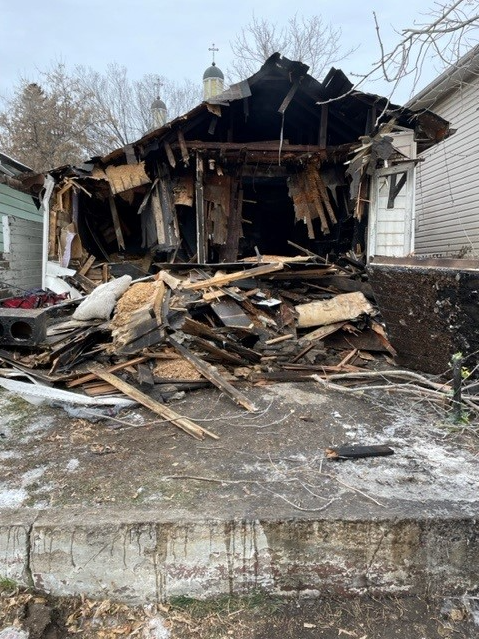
[275, 162]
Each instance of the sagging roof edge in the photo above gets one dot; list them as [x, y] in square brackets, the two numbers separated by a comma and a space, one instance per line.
[450, 79]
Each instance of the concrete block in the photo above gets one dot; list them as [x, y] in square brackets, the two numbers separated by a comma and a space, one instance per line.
[22, 327]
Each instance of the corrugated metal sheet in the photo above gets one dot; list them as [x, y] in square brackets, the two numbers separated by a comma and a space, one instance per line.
[17, 204]
[447, 204]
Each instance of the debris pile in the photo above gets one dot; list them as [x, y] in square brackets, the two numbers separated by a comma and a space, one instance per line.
[264, 320]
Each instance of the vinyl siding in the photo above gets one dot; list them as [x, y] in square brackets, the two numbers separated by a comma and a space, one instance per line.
[17, 204]
[447, 196]
[23, 265]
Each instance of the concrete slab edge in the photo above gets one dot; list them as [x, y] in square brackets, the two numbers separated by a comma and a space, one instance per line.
[147, 560]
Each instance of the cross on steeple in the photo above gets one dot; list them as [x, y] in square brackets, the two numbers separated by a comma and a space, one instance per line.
[158, 84]
[213, 49]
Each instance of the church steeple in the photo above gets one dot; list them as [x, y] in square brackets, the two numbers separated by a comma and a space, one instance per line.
[159, 112]
[213, 78]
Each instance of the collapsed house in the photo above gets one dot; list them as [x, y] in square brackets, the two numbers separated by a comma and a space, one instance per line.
[245, 226]
[275, 159]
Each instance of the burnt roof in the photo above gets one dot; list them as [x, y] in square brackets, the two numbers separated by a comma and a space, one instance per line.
[260, 110]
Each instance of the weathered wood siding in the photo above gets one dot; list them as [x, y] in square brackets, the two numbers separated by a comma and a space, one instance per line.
[22, 266]
[447, 196]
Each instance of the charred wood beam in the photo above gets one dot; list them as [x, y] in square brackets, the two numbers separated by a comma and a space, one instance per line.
[265, 152]
[323, 127]
[288, 98]
[200, 212]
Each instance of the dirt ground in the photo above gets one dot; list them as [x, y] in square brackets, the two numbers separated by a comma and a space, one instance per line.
[261, 463]
[264, 461]
[255, 617]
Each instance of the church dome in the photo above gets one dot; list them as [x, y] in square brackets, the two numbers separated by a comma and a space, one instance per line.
[158, 104]
[213, 72]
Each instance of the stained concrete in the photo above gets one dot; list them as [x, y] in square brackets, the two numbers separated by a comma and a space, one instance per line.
[141, 512]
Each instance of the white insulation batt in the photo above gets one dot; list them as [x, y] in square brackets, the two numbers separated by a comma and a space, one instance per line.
[340, 308]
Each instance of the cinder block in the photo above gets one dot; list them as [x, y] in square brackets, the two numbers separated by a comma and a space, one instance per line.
[22, 327]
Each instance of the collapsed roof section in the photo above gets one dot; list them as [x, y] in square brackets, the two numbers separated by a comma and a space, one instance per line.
[282, 102]
[258, 169]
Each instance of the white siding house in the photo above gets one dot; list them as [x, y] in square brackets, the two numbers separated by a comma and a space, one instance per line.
[447, 194]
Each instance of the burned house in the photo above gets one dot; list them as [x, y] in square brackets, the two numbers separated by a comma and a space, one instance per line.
[276, 161]
[245, 226]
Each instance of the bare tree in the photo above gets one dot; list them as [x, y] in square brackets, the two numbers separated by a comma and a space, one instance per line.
[447, 32]
[46, 125]
[68, 116]
[123, 106]
[307, 39]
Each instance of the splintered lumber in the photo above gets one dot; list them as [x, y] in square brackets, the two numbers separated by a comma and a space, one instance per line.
[341, 307]
[220, 354]
[324, 331]
[211, 374]
[84, 282]
[86, 267]
[198, 329]
[185, 424]
[277, 340]
[221, 280]
[116, 223]
[117, 367]
[366, 340]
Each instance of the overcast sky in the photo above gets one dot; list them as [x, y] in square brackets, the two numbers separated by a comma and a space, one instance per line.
[172, 38]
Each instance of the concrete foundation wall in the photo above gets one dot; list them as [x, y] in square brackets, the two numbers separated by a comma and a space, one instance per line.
[147, 561]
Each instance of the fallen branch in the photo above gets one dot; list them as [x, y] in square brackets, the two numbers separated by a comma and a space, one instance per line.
[392, 373]
[407, 388]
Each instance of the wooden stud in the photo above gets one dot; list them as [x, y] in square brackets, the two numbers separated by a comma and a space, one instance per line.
[211, 374]
[196, 431]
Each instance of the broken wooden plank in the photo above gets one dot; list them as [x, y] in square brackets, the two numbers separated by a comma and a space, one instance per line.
[201, 236]
[323, 191]
[116, 223]
[84, 282]
[222, 279]
[212, 375]
[220, 354]
[365, 340]
[187, 425]
[289, 97]
[112, 369]
[277, 340]
[183, 148]
[324, 331]
[169, 154]
[145, 376]
[86, 267]
[192, 327]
